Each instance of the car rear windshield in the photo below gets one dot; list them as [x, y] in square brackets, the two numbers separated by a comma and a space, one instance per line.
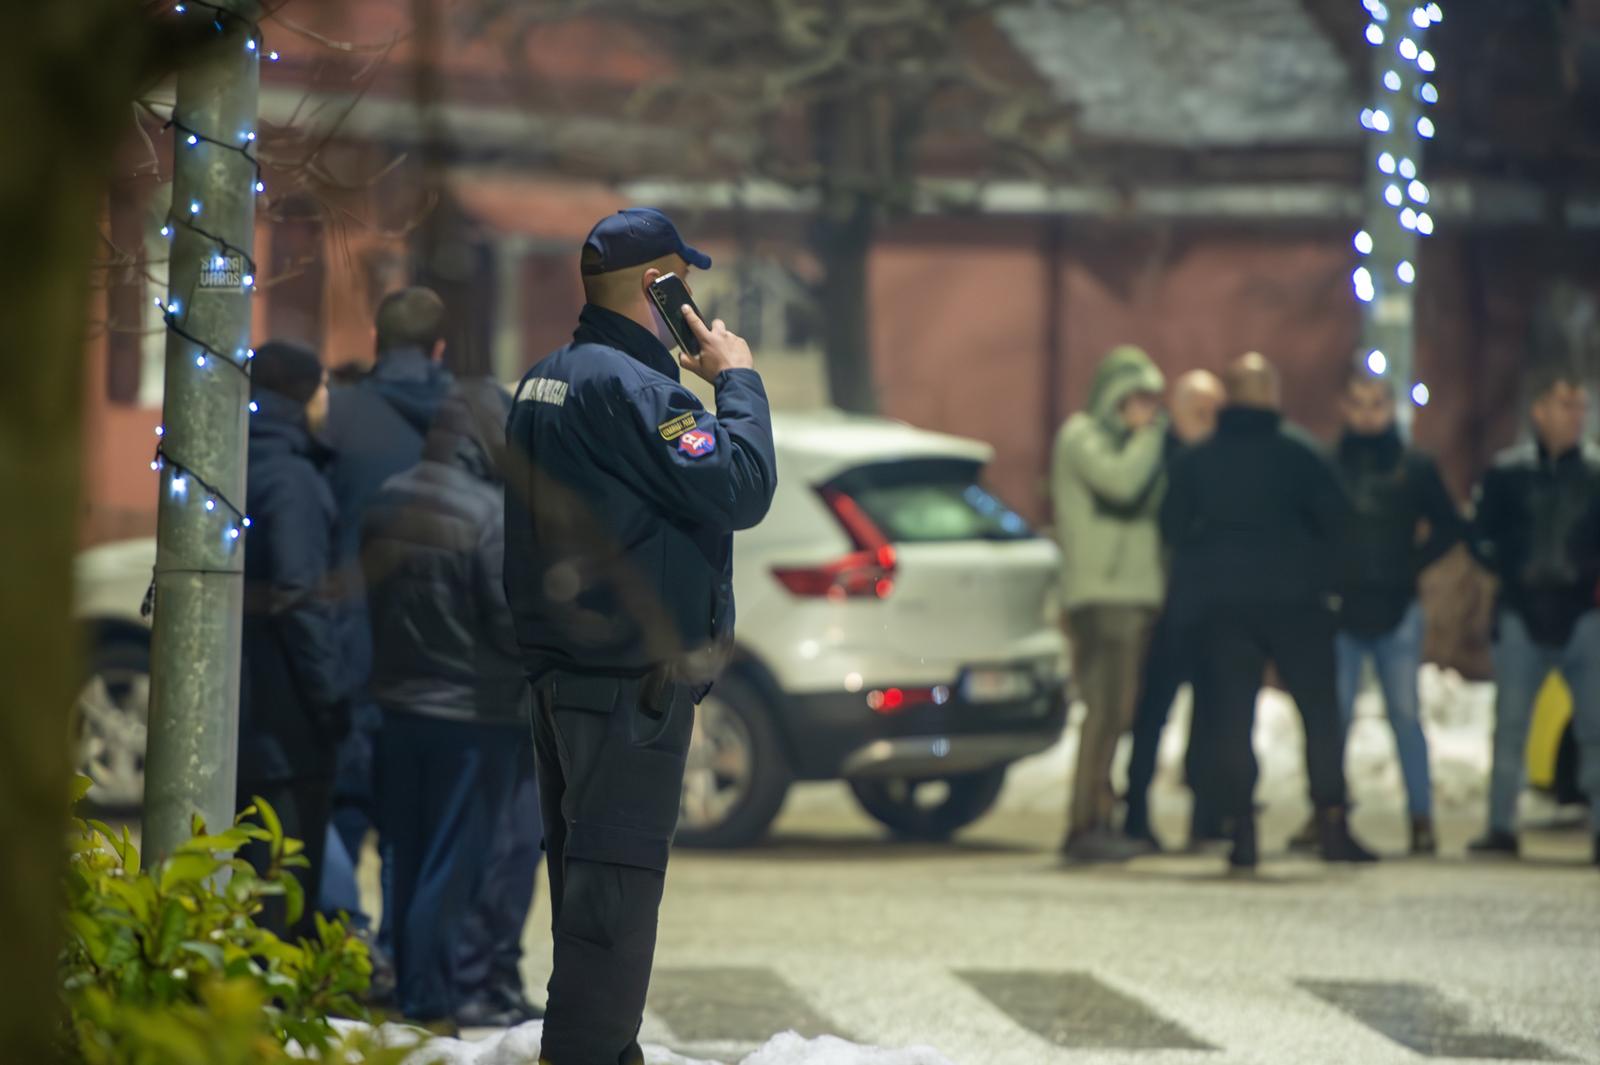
[931, 501]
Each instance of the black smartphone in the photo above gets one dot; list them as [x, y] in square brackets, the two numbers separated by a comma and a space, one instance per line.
[670, 295]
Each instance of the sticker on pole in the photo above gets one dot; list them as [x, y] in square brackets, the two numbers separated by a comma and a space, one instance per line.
[222, 271]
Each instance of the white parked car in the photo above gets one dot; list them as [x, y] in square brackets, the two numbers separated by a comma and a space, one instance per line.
[896, 629]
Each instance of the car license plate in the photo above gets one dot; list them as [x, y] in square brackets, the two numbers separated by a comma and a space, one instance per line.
[996, 685]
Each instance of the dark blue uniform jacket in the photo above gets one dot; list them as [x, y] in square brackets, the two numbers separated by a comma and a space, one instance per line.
[622, 496]
[293, 705]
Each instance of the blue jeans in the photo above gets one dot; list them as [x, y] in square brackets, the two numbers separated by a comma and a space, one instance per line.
[1396, 656]
[1520, 669]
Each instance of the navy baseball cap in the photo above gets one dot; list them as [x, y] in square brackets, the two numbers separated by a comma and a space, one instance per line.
[635, 236]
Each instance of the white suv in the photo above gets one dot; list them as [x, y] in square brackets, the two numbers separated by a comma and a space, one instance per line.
[896, 629]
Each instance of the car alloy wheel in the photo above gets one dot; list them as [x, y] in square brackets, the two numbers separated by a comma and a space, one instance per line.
[112, 724]
[720, 767]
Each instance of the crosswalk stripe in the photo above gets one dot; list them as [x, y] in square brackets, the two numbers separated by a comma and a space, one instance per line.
[1076, 1010]
[1422, 1019]
[732, 1005]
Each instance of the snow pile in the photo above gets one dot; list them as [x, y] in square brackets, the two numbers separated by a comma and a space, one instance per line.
[1457, 715]
[520, 1046]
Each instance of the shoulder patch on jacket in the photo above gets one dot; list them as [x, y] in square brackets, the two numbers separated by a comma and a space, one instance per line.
[697, 443]
[673, 428]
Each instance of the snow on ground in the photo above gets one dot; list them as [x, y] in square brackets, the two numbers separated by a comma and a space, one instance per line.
[1457, 716]
[520, 1046]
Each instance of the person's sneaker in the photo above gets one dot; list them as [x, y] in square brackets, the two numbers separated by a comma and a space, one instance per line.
[1307, 840]
[1336, 842]
[1495, 843]
[1423, 840]
[1099, 845]
[484, 1013]
[509, 997]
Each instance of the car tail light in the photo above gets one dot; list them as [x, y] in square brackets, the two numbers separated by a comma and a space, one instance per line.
[889, 701]
[865, 573]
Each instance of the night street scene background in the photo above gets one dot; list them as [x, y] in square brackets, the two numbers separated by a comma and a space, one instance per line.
[1108, 571]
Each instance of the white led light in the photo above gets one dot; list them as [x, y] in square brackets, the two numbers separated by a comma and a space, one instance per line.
[1420, 19]
[1380, 121]
[194, 206]
[1408, 169]
[1419, 394]
[1364, 242]
[1425, 127]
[1429, 93]
[246, 522]
[1425, 223]
[179, 485]
[166, 231]
[261, 186]
[1375, 33]
[233, 534]
[192, 140]
[220, 262]
[1392, 196]
[1405, 272]
[1408, 218]
[1386, 163]
[1362, 277]
[200, 361]
[1377, 362]
[211, 504]
[172, 308]
[1366, 118]
[1365, 295]
[1435, 12]
[251, 43]
[161, 430]
[253, 407]
[250, 136]
[1418, 191]
[1425, 62]
[181, 8]
[1408, 48]
[272, 56]
[248, 280]
[249, 353]
[1391, 81]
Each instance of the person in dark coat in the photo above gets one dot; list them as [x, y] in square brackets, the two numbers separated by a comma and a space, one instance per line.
[1402, 522]
[454, 699]
[293, 705]
[1197, 396]
[1537, 528]
[375, 430]
[1253, 516]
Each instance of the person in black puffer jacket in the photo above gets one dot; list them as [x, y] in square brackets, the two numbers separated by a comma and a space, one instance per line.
[1537, 528]
[1252, 517]
[1402, 521]
[449, 680]
[293, 705]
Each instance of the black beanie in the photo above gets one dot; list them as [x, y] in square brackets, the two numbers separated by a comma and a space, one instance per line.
[287, 369]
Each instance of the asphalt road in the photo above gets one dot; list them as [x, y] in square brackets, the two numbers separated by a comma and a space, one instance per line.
[991, 952]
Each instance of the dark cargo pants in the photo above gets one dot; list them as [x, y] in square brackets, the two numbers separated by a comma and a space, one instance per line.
[611, 757]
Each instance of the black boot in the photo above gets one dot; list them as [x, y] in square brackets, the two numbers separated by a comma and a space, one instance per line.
[1243, 856]
[1338, 845]
[1308, 839]
[1423, 841]
[1495, 844]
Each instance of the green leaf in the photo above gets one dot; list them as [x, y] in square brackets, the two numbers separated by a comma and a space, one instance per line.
[80, 787]
[294, 897]
[170, 931]
[187, 868]
[130, 853]
[269, 819]
[210, 952]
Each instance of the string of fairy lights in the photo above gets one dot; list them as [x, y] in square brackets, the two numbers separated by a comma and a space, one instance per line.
[1398, 119]
[224, 259]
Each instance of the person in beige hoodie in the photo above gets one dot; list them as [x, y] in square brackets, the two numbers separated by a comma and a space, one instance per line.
[1106, 483]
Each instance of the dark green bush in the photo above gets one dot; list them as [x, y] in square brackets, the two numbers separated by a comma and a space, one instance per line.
[167, 966]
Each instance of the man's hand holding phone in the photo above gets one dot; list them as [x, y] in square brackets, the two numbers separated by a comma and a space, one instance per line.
[720, 349]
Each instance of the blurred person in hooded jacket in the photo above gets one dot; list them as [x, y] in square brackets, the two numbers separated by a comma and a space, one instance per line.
[1106, 484]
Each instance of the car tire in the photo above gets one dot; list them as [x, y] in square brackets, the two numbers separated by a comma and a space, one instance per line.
[110, 722]
[893, 801]
[738, 774]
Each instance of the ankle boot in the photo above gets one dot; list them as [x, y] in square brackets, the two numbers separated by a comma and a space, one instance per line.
[1243, 855]
[1423, 841]
[1338, 845]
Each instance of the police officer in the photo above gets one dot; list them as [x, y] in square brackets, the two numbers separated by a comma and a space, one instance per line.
[621, 501]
